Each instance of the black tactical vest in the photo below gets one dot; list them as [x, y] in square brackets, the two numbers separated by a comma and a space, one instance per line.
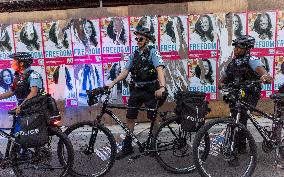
[21, 85]
[239, 70]
[143, 69]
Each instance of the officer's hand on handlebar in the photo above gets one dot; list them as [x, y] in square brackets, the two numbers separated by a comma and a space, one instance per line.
[109, 86]
[266, 78]
[18, 110]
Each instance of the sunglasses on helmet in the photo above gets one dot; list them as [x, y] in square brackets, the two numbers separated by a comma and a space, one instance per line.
[139, 39]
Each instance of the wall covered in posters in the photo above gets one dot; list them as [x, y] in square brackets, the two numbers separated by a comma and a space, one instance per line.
[82, 54]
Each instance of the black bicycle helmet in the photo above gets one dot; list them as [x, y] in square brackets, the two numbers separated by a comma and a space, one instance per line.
[144, 32]
[23, 57]
[244, 42]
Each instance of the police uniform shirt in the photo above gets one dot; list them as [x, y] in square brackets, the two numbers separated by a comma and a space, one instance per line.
[35, 79]
[154, 55]
[254, 62]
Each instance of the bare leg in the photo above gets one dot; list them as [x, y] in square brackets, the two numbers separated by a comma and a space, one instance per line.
[130, 123]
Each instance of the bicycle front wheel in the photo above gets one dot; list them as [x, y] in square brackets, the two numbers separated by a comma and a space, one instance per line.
[95, 148]
[43, 161]
[174, 147]
[226, 157]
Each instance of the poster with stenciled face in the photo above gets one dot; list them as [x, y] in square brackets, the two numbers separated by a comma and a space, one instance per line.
[202, 76]
[173, 37]
[88, 77]
[86, 37]
[280, 33]
[202, 36]
[28, 38]
[278, 72]
[148, 22]
[57, 39]
[268, 62]
[262, 26]
[6, 41]
[115, 37]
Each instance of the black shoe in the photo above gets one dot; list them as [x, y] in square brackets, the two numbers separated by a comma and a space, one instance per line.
[124, 153]
[127, 148]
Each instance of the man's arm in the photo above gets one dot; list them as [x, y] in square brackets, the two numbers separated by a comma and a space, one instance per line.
[120, 77]
[6, 95]
[258, 67]
[161, 76]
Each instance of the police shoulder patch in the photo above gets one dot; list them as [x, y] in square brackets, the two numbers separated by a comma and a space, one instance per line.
[35, 75]
[254, 58]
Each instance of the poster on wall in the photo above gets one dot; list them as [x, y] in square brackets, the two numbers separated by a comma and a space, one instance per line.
[6, 80]
[149, 22]
[280, 33]
[88, 77]
[111, 71]
[57, 39]
[115, 37]
[28, 38]
[267, 89]
[229, 27]
[125, 92]
[262, 26]
[61, 82]
[202, 76]
[86, 38]
[173, 37]
[202, 36]
[176, 74]
[6, 41]
[278, 72]
[39, 67]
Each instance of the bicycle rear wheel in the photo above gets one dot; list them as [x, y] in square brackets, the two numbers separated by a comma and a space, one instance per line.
[43, 161]
[174, 147]
[95, 148]
[224, 158]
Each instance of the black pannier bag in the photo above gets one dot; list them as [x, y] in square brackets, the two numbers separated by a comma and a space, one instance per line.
[191, 109]
[33, 122]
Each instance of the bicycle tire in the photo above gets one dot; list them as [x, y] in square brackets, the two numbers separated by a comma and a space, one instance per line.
[253, 152]
[77, 170]
[66, 167]
[166, 165]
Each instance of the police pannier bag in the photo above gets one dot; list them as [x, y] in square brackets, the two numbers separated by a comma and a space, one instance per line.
[33, 122]
[191, 109]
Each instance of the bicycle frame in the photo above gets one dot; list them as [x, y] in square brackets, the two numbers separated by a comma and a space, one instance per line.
[105, 110]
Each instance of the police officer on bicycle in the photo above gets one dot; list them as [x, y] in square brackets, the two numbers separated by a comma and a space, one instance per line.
[242, 68]
[27, 83]
[148, 82]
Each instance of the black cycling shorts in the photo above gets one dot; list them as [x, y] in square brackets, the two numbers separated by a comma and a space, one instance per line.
[137, 98]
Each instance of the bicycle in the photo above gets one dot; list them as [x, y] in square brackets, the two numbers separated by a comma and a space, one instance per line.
[223, 133]
[40, 161]
[168, 138]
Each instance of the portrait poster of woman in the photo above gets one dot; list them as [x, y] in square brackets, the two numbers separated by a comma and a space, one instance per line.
[111, 71]
[57, 39]
[173, 37]
[149, 22]
[262, 26]
[60, 82]
[88, 77]
[202, 76]
[6, 41]
[202, 36]
[279, 72]
[280, 33]
[86, 37]
[268, 61]
[28, 38]
[115, 35]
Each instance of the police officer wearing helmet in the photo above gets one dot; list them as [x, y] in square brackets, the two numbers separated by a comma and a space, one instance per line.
[242, 68]
[27, 83]
[148, 82]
